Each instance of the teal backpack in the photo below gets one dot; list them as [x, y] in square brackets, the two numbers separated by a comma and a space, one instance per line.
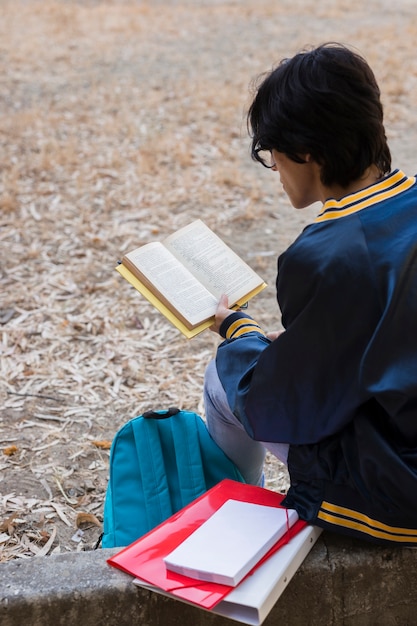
[159, 462]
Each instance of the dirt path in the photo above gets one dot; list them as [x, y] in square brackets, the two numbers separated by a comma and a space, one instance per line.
[120, 122]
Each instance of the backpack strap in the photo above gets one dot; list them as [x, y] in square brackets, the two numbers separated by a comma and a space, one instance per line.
[150, 457]
[187, 445]
[161, 415]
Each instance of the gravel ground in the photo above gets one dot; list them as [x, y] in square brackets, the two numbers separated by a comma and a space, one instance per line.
[121, 122]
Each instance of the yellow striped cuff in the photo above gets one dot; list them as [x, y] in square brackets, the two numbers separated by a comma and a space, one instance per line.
[241, 326]
[354, 520]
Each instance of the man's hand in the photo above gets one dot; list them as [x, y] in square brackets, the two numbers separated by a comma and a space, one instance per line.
[222, 312]
[275, 334]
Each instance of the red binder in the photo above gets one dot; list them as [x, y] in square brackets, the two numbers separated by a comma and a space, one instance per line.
[144, 557]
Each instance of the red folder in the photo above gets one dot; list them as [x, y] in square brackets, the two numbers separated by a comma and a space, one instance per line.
[144, 557]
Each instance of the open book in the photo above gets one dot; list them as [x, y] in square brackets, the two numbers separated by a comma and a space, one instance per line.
[185, 275]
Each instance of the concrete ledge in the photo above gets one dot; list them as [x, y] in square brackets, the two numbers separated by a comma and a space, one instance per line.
[342, 582]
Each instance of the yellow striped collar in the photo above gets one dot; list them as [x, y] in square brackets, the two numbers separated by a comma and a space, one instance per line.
[390, 186]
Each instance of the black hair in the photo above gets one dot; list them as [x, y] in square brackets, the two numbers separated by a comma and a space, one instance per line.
[324, 102]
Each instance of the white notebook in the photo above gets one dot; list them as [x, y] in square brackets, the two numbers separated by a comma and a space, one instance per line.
[227, 546]
[252, 600]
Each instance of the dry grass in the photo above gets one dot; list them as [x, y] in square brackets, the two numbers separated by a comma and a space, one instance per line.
[120, 122]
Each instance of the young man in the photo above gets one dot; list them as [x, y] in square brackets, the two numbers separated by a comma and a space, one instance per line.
[334, 395]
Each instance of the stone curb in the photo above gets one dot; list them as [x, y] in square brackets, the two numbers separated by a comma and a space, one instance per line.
[341, 582]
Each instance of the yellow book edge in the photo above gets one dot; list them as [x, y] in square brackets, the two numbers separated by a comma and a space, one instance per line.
[171, 317]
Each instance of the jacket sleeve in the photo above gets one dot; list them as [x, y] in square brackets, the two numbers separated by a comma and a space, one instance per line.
[304, 386]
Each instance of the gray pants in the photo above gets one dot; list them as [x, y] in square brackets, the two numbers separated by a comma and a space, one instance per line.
[248, 455]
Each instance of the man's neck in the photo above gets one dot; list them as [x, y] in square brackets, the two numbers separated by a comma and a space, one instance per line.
[370, 177]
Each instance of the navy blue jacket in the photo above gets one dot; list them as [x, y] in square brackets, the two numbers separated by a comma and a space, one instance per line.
[340, 384]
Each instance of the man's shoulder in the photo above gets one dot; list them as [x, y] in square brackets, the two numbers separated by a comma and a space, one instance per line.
[321, 241]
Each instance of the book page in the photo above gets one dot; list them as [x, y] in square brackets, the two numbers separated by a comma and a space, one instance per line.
[177, 286]
[216, 265]
[156, 301]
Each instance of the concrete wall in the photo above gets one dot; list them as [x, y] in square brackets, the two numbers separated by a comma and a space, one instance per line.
[341, 582]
